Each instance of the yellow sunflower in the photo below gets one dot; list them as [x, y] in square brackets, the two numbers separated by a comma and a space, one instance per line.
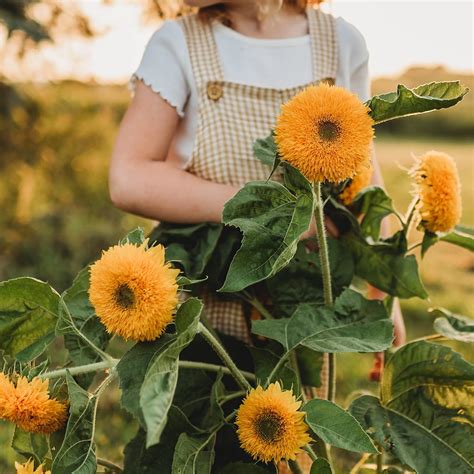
[359, 182]
[29, 468]
[134, 291]
[439, 191]
[325, 132]
[29, 406]
[270, 427]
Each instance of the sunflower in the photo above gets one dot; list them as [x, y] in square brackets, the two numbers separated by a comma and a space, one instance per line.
[29, 406]
[359, 182]
[325, 132]
[270, 427]
[438, 190]
[134, 292]
[29, 468]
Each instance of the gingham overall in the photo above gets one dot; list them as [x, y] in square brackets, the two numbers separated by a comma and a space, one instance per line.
[231, 117]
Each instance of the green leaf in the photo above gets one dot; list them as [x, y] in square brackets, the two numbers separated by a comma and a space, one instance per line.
[310, 364]
[272, 220]
[158, 458]
[159, 384]
[386, 268]
[429, 239]
[460, 236]
[80, 316]
[215, 414]
[77, 453]
[265, 360]
[301, 280]
[454, 326]
[374, 204]
[337, 427]
[266, 151]
[28, 314]
[320, 466]
[193, 454]
[431, 371]
[136, 237]
[424, 98]
[30, 445]
[189, 245]
[354, 324]
[416, 444]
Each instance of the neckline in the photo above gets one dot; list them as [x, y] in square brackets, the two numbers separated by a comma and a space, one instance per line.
[267, 42]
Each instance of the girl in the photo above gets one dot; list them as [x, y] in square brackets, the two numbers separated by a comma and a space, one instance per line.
[210, 84]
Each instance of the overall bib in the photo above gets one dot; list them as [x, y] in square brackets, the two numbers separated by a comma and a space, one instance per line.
[231, 117]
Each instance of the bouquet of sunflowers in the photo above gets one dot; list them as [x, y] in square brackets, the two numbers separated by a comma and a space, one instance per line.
[206, 403]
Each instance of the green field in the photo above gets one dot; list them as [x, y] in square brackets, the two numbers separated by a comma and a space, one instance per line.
[56, 215]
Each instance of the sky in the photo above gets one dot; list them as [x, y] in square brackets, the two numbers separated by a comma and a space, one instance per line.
[398, 33]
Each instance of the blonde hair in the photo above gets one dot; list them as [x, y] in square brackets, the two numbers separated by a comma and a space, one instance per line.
[266, 7]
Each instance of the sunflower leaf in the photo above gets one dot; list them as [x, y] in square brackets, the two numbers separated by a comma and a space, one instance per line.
[159, 383]
[30, 445]
[426, 444]
[354, 324]
[461, 236]
[77, 452]
[193, 454]
[424, 98]
[135, 237]
[158, 458]
[272, 220]
[385, 266]
[337, 427]
[454, 326]
[374, 204]
[320, 466]
[79, 315]
[28, 315]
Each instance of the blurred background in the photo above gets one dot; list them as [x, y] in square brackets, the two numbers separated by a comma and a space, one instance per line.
[64, 67]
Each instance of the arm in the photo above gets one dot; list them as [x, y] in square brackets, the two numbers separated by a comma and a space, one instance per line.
[145, 179]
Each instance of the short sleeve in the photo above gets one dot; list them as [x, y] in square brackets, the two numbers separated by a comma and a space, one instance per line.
[359, 78]
[161, 67]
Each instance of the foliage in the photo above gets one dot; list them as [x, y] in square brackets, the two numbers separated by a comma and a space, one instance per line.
[183, 389]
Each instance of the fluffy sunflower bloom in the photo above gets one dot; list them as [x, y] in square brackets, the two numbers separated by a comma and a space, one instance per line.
[359, 182]
[134, 291]
[270, 427]
[29, 406]
[29, 468]
[325, 132]
[439, 191]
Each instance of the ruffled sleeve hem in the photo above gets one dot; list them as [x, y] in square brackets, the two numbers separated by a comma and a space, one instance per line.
[155, 87]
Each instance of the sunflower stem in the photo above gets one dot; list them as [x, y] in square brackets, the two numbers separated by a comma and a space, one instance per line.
[311, 452]
[281, 362]
[104, 365]
[326, 273]
[295, 467]
[224, 356]
[110, 465]
[410, 216]
[257, 305]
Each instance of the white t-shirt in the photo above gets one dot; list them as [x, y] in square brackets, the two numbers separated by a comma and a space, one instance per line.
[269, 63]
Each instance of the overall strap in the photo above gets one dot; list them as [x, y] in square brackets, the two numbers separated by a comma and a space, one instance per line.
[202, 50]
[324, 47]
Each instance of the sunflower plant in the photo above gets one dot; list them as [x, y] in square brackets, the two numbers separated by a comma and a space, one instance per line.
[205, 402]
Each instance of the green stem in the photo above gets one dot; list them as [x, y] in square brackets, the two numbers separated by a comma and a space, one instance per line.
[414, 246]
[410, 215]
[110, 465]
[185, 364]
[295, 467]
[326, 273]
[296, 369]
[311, 452]
[379, 459]
[281, 362]
[222, 353]
[232, 396]
[258, 306]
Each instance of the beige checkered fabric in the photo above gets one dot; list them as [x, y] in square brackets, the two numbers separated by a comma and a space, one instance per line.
[231, 117]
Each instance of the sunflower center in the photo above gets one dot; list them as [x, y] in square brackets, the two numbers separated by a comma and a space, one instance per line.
[328, 131]
[124, 296]
[270, 426]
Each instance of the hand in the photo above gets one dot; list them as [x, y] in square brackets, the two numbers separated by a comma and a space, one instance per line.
[331, 229]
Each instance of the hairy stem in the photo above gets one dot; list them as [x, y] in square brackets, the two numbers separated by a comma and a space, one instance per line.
[295, 467]
[225, 357]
